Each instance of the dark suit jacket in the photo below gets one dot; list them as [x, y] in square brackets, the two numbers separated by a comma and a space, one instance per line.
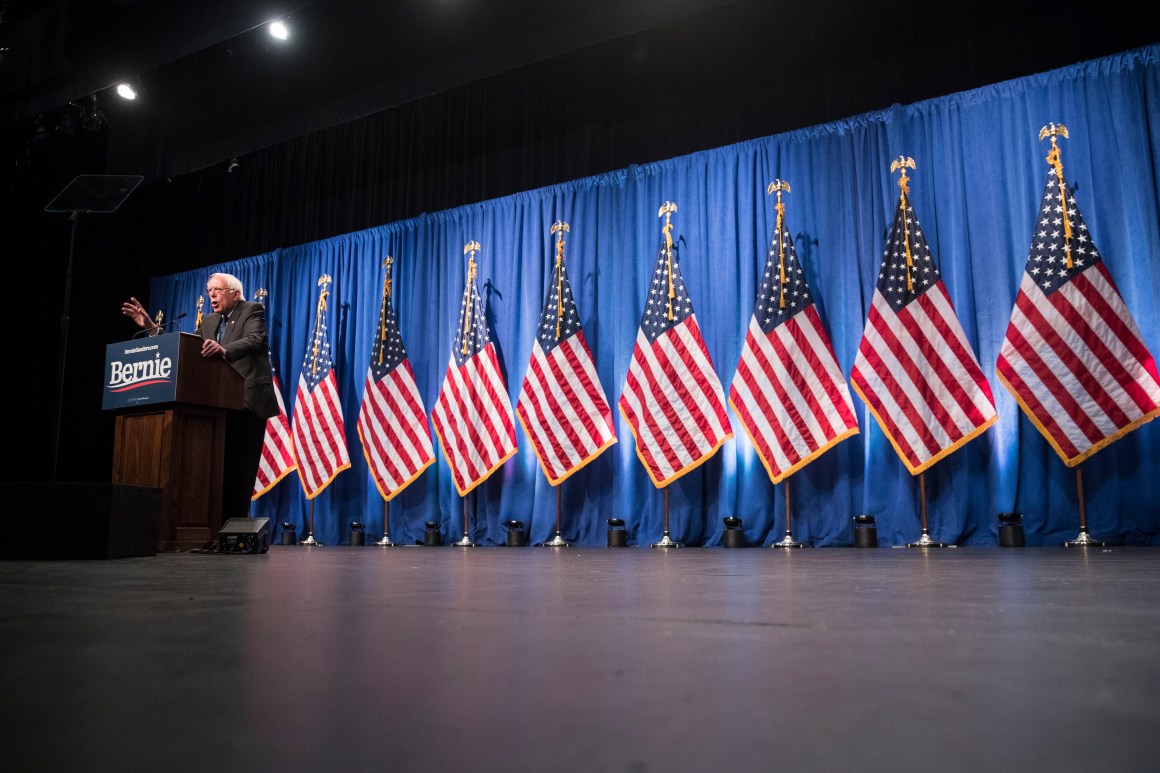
[248, 351]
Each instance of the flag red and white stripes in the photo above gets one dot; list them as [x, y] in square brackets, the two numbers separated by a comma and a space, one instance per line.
[915, 369]
[1073, 357]
[392, 425]
[672, 399]
[789, 392]
[562, 405]
[319, 433]
[277, 460]
[473, 415]
[392, 422]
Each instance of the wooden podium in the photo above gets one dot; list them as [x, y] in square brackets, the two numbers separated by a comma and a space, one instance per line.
[171, 406]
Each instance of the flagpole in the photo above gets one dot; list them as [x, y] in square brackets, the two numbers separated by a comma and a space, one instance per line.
[385, 542]
[558, 229]
[924, 541]
[310, 536]
[558, 540]
[1083, 539]
[466, 541]
[667, 209]
[666, 540]
[788, 541]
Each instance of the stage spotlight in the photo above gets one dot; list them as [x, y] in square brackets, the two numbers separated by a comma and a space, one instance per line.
[289, 534]
[67, 124]
[516, 536]
[278, 30]
[358, 534]
[125, 90]
[40, 130]
[1011, 530]
[734, 536]
[432, 537]
[617, 536]
[865, 531]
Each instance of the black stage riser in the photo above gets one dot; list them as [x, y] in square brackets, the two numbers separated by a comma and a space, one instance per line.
[79, 520]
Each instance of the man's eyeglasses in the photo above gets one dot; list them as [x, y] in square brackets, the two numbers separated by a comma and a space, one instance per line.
[217, 290]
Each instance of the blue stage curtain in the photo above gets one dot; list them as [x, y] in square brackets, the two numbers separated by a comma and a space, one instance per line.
[979, 178]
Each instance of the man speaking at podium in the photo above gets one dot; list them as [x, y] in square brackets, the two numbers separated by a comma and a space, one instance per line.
[236, 332]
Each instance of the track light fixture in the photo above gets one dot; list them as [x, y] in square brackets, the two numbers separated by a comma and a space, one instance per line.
[67, 123]
[126, 90]
[278, 29]
[94, 116]
[233, 165]
[40, 129]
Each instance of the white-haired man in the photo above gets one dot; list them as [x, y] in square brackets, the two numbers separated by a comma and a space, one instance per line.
[236, 332]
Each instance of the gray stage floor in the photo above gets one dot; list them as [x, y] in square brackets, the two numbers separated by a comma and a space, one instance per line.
[536, 659]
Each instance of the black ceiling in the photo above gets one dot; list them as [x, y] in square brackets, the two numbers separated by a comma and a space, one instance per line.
[215, 85]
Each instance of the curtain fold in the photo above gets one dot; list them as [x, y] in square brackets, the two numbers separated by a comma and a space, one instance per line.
[976, 191]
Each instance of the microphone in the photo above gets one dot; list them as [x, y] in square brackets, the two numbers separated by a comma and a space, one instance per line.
[159, 328]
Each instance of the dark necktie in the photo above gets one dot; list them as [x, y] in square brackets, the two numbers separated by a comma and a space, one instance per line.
[221, 330]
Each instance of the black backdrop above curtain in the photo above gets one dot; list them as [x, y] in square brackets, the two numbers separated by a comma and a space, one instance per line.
[976, 191]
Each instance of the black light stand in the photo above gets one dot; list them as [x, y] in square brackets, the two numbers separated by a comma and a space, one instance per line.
[94, 193]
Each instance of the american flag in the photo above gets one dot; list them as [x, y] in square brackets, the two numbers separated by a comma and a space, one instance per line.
[1073, 357]
[672, 398]
[562, 405]
[915, 369]
[319, 434]
[392, 422]
[473, 415]
[277, 459]
[789, 392]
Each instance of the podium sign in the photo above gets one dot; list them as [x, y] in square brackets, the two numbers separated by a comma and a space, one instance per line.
[171, 405]
[141, 371]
